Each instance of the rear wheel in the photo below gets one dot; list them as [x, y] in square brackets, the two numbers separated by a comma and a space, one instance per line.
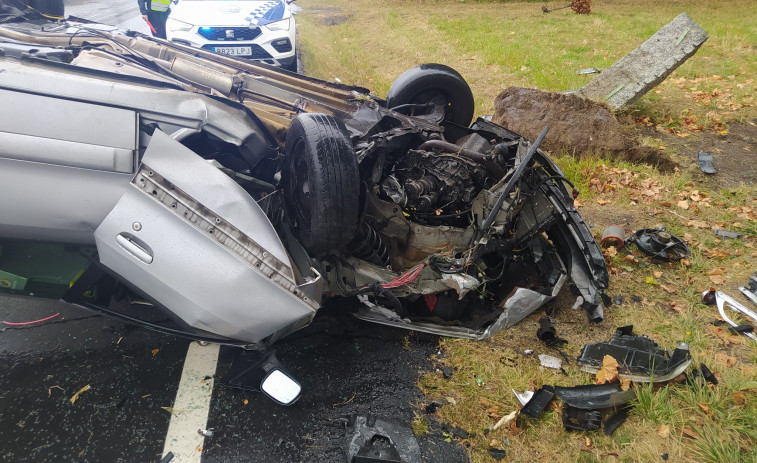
[321, 183]
[450, 97]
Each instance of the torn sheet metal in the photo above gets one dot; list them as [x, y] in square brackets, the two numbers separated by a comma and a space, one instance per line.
[722, 299]
[640, 358]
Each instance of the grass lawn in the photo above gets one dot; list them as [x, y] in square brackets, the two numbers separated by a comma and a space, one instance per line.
[708, 103]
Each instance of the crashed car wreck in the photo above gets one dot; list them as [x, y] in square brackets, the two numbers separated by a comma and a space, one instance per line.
[239, 198]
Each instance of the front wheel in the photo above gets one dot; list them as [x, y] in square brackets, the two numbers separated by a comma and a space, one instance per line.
[321, 183]
[447, 96]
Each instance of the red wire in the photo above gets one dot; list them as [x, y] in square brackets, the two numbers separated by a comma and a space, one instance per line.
[32, 322]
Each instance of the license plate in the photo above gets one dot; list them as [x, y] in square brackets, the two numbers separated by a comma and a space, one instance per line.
[234, 51]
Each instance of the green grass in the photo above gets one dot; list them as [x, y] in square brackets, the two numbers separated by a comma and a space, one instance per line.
[495, 44]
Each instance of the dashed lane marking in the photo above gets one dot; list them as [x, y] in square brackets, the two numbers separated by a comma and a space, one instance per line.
[190, 409]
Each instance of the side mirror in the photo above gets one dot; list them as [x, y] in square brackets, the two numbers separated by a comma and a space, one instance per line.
[281, 387]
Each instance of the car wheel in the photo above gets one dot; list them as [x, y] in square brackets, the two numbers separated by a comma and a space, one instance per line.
[445, 88]
[321, 183]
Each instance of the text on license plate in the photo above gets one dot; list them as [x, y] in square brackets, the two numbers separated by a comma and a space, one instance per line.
[233, 50]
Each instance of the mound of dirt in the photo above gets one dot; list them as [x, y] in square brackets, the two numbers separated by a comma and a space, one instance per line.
[576, 125]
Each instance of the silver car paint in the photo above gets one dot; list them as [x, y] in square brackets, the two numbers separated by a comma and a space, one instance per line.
[166, 237]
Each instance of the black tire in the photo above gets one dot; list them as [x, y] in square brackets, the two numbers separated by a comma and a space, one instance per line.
[438, 84]
[321, 183]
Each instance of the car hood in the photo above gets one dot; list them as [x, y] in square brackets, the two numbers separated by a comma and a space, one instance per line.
[224, 13]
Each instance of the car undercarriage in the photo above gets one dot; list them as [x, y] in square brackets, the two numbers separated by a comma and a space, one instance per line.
[244, 197]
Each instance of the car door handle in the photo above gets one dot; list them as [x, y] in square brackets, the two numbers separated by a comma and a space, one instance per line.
[129, 245]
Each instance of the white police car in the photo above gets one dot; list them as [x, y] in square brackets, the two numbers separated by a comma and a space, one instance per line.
[260, 30]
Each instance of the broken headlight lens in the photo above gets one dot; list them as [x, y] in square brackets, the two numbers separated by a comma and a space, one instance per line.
[282, 25]
[174, 25]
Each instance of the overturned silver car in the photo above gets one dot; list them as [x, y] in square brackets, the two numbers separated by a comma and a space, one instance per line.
[239, 198]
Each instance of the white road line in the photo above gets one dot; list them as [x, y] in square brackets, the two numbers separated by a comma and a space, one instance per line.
[192, 404]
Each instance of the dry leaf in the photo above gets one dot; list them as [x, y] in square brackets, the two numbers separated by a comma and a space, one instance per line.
[705, 408]
[76, 396]
[155, 351]
[664, 431]
[609, 370]
[650, 280]
[611, 251]
[677, 307]
[588, 443]
[669, 289]
[739, 399]
[625, 384]
[657, 274]
[724, 336]
[683, 204]
[686, 262]
[749, 371]
[451, 401]
[689, 432]
[634, 260]
[725, 359]
[602, 202]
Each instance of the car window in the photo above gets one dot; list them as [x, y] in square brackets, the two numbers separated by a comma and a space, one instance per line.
[34, 268]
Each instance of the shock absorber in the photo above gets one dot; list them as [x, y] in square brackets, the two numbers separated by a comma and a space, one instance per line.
[368, 246]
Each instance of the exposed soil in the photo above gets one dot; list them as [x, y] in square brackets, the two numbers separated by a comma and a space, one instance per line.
[733, 154]
[329, 16]
[576, 125]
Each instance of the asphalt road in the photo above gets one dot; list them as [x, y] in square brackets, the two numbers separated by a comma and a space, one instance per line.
[83, 387]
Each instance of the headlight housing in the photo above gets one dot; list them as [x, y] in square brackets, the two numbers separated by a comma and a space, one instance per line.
[282, 25]
[174, 25]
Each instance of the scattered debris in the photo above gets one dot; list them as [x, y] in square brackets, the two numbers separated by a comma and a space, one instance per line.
[588, 71]
[455, 431]
[722, 299]
[432, 407]
[616, 420]
[642, 359]
[546, 10]
[541, 398]
[660, 244]
[524, 397]
[550, 361]
[614, 235]
[618, 299]
[372, 439]
[548, 334]
[79, 392]
[528, 351]
[447, 372]
[205, 432]
[31, 322]
[704, 159]
[700, 376]
[595, 396]
[497, 454]
[168, 458]
[708, 297]
[506, 420]
[728, 234]
[638, 72]
[576, 419]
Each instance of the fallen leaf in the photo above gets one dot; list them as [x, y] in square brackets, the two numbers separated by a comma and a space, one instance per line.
[625, 384]
[677, 307]
[705, 408]
[588, 443]
[602, 202]
[657, 274]
[664, 431]
[689, 432]
[172, 410]
[609, 370]
[749, 371]
[724, 336]
[506, 420]
[76, 396]
[683, 204]
[739, 399]
[155, 351]
[611, 251]
[725, 359]
[686, 262]
[650, 280]
[634, 260]
[669, 289]
[245, 401]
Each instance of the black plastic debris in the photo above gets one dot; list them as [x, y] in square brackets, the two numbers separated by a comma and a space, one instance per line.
[447, 372]
[595, 396]
[639, 358]
[708, 298]
[660, 244]
[704, 159]
[541, 398]
[167, 458]
[700, 376]
[497, 454]
[548, 334]
[728, 234]
[576, 419]
[618, 299]
[616, 420]
[664, 457]
[741, 329]
[606, 299]
[432, 407]
[373, 440]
